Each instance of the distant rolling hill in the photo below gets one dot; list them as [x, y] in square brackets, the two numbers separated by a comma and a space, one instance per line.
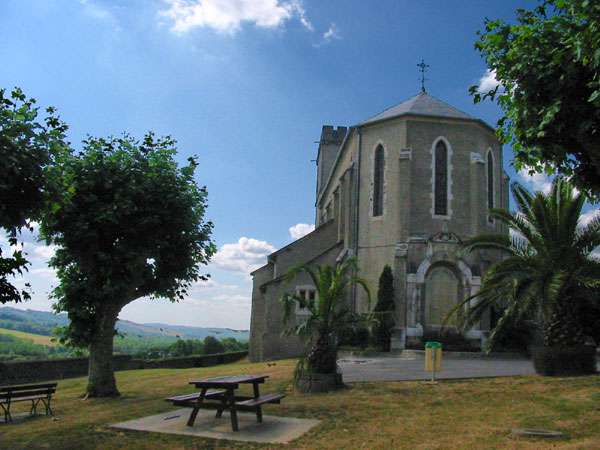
[35, 338]
[43, 322]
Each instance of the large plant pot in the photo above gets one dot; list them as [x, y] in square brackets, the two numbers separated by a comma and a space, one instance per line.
[564, 361]
[319, 382]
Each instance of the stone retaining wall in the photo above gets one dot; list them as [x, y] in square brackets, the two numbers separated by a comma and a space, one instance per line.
[56, 369]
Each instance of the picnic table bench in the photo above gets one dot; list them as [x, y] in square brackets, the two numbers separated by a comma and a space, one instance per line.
[220, 393]
[35, 393]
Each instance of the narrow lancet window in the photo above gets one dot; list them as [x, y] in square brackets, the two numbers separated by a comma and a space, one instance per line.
[441, 179]
[490, 180]
[378, 174]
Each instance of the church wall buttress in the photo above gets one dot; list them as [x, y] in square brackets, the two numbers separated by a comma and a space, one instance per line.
[378, 234]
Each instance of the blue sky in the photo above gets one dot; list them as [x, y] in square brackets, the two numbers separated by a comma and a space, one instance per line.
[246, 85]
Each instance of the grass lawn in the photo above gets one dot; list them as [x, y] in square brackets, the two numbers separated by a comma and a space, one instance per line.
[412, 415]
[36, 338]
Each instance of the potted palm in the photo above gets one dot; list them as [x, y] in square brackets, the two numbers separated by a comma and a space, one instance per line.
[327, 315]
[549, 273]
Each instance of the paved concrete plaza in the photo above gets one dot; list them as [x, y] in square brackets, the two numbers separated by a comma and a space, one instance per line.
[273, 429]
[404, 368]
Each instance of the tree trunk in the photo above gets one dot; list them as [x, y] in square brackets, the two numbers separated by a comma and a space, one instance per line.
[322, 358]
[101, 377]
[563, 329]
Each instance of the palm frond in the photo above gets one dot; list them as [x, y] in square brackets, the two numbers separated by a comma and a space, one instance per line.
[487, 241]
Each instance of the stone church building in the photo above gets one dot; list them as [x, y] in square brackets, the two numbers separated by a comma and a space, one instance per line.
[402, 188]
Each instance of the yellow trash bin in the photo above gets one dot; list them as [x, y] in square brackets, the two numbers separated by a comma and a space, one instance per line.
[433, 358]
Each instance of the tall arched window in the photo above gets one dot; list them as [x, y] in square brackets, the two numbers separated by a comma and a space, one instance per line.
[440, 178]
[490, 179]
[378, 174]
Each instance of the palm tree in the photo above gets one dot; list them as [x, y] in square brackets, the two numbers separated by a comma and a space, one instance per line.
[549, 270]
[328, 314]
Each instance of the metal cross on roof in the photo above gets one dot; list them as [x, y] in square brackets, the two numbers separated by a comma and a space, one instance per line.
[422, 68]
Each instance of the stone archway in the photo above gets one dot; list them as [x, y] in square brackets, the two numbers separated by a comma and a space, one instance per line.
[442, 293]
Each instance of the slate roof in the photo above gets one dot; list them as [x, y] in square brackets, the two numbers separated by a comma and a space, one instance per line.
[421, 104]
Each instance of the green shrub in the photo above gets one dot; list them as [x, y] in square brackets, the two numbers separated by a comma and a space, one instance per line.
[384, 311]
[560, 361]
[516, 336]
[357, 336]
[451, 341]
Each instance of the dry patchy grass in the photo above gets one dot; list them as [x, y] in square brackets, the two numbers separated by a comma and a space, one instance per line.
[476, 414]
[35, 338]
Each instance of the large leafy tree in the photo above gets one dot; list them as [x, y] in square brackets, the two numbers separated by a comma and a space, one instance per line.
[28, 146]
[128, 223]
[548, 64]
[549, 271]
[328, 314]
[384, 310]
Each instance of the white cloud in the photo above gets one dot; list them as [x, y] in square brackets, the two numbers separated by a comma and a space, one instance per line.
[204, 306]
[298, 8]
[537, 181]
[92, 9]
[300, 230]
[587, 217]
[45, 272]
[244, 256]
[488, 81]
[227, 16]
[210, 285]
[331, 33]
[229, 309]
[19, 247]
[44, 251]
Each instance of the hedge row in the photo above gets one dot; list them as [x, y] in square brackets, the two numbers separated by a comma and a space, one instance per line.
[57, 369]
[564, 361]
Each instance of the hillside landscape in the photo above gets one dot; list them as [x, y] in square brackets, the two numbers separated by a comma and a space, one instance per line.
[43, 322]
[30, 334]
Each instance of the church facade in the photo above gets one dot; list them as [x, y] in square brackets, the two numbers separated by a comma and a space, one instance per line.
[403, 188]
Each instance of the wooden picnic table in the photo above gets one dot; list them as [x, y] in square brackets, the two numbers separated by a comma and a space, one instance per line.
[219, 393]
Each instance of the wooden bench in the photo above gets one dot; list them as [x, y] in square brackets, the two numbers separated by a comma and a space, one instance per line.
[191, 399]
[267, 398]
[254, 404]
[35, 393]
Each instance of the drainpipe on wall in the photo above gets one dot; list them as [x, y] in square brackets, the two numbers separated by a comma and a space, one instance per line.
[356, 209]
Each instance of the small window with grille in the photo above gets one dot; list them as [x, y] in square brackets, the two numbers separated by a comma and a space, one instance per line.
[308, 294]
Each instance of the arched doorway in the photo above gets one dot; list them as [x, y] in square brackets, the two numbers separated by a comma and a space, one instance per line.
[441, 295]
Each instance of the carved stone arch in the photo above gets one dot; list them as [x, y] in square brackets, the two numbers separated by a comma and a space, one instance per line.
[463, 270]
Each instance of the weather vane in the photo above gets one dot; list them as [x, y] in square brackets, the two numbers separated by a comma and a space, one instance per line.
[422, 68]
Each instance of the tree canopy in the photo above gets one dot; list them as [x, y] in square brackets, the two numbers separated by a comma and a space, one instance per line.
[548, 67]
[549, 267]
[128, 223]
[27, 147]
